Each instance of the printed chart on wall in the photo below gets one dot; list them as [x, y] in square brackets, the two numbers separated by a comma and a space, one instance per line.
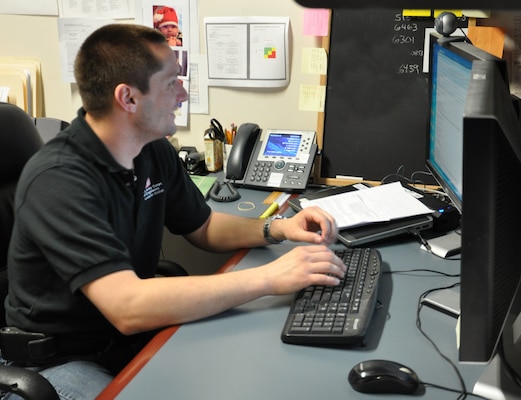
[247, 51]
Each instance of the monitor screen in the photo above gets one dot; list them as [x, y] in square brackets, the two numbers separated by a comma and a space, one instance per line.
[449, 82]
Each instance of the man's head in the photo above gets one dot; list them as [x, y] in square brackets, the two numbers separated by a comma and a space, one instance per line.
[114, 54]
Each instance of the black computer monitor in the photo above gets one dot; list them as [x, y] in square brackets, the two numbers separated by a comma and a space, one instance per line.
[491, 221]
[475, 155]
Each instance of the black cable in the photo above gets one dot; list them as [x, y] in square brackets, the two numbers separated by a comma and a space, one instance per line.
[405, 271]
[399, 176]
[419, 326]
[463, 392]
[453, 390]
[465, 35]
[428, 246]
[233, 193]
[427, 173]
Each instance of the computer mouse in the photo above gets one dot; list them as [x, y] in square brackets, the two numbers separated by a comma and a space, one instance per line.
[382, 376]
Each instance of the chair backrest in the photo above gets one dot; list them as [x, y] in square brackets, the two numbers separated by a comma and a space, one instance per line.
[49, 127]
[19, 140]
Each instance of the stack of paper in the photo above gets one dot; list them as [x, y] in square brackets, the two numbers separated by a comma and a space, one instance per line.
[375, 204]
[20, 80]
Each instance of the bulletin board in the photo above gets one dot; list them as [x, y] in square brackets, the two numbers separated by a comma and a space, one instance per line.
[376, 113]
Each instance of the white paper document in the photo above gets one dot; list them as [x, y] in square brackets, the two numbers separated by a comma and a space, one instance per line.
[96, 9]
[72, 32]
[377, 204]
[29, 7]
[247, 51]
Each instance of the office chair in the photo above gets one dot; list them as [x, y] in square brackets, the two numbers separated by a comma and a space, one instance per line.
[20, 137]
[19, 140]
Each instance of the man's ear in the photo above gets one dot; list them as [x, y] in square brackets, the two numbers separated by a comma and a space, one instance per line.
[125, 97]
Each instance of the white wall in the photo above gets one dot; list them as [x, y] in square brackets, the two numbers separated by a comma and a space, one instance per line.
[37, 36]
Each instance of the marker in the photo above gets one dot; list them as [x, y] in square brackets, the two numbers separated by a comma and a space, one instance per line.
[270, 210]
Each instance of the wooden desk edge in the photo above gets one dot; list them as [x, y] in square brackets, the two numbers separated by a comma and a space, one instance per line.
[143, 357]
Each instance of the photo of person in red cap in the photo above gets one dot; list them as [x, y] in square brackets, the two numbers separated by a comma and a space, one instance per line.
[166, 21]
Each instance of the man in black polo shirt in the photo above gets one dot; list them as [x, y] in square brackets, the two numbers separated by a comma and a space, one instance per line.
[90, 211]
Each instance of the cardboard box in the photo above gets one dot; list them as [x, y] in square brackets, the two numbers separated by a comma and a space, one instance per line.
[213, 154]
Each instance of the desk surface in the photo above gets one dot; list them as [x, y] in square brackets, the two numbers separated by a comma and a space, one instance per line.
[239, 354]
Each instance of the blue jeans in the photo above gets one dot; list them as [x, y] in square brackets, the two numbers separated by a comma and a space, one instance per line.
[75, 380]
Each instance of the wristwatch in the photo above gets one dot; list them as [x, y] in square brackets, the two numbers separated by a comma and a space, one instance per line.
[266, 229]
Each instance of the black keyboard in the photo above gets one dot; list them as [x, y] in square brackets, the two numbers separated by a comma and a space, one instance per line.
[337, 314]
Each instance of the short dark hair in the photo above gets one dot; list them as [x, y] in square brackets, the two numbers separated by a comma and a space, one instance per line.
[114, 54]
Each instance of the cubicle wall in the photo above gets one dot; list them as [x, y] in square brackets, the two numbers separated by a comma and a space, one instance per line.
[37, 36]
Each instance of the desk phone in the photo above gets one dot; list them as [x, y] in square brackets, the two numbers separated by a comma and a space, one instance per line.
[272, 159]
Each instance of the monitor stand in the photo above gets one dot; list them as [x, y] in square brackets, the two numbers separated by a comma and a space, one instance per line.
[446, 245]
[446, 300]
[495, 384]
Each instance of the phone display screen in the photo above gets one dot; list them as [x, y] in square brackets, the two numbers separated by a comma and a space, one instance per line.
[282, 145]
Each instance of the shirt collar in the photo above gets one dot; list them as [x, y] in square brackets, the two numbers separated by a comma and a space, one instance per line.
[90, 146]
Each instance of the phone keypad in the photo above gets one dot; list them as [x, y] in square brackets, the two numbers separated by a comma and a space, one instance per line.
[261, 170]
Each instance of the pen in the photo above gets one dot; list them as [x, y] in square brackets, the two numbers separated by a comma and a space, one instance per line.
[270, 210]
[228, 137]
[234, 131]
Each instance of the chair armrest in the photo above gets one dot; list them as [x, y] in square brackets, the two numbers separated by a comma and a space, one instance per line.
[170, 268]
[26, 383]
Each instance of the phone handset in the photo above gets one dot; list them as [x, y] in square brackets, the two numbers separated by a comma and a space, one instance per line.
[238, 160]
[242, 149]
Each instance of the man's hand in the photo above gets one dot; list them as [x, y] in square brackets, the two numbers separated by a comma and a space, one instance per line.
[311, 225]
[303, 266]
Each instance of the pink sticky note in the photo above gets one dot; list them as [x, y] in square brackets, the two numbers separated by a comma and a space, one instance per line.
[316, 22]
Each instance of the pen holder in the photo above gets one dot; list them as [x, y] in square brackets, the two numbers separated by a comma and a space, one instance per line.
[227, 149]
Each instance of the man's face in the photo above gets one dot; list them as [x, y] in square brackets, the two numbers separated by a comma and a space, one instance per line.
[163, 99]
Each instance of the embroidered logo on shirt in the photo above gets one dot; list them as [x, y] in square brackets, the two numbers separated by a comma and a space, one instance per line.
[152, 189]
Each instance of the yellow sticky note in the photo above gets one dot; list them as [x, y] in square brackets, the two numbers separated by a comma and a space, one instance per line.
[312, 98]
[476, 13]
[457, 13]
[416, 13]
[314, 61]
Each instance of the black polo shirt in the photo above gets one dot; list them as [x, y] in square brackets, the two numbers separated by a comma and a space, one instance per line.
[80, 215]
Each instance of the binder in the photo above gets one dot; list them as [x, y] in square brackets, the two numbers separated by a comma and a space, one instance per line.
[27, 70]
[17, 84]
